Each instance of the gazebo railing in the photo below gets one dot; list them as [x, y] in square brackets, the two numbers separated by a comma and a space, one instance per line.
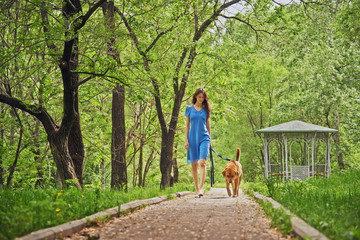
[320, 170]
[299, 172]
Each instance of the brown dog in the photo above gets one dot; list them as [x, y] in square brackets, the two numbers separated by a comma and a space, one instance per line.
[233, 174]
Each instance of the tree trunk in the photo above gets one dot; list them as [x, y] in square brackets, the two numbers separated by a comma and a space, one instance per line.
[140, 166]
[64, 164]
[1, 160]
[76, 149]
[76, 145]
[118, 150]
[175, 166]
[37, 159]
[134, 161]
[167, 136]
[17, 154]
[336, 138]
[68, 66]
[2, 130]
[339, 151]
[36, 149]
[57, 137]
[118, 160]
[167, 146]
[70, 128]
[103, 173]
[149, 161]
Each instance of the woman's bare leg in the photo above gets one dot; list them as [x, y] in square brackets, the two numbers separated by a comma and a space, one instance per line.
[194, 166]
[202, 173]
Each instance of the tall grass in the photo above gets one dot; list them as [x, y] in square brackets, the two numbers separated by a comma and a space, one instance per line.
[279, 219]
[331, 205]
[26, 210]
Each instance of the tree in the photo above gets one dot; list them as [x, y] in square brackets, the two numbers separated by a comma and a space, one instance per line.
[65, 140]
[118, 160]
[187, 13]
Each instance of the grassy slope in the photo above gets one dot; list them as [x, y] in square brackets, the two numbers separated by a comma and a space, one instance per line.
[330, 205]
[27, 210]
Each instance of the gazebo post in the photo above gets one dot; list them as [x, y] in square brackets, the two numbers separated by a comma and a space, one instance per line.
[328, 155]
[266, 157]
[313, 154]
[286, 158]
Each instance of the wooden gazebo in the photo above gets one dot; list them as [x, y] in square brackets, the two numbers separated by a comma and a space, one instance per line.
[284, 136]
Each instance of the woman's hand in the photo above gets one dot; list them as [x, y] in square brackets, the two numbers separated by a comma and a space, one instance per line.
[187, 144]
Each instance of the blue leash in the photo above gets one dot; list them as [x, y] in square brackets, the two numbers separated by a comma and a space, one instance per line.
[212, 165]
[227, 159]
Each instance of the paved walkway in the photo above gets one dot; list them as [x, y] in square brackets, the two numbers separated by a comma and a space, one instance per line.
[214, 216]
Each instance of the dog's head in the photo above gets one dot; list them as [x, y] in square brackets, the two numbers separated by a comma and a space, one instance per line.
[230, 171]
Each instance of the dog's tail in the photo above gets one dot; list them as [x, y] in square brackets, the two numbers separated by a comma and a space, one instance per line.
[238, 154]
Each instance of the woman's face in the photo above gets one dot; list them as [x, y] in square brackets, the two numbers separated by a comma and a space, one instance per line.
[199, 98]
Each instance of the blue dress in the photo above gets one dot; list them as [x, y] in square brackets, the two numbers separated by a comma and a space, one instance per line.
[199, 137]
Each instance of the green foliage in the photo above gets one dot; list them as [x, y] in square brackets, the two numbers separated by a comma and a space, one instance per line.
[26, 210]
[170, 196]
[272, 185]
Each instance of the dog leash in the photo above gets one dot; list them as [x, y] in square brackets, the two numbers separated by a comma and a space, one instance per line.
[227, 159]
[212, 175]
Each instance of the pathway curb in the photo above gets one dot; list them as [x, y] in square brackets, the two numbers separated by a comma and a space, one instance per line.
[300, 227]
[75, 226]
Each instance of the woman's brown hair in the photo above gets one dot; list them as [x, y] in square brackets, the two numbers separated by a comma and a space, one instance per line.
[206, 103]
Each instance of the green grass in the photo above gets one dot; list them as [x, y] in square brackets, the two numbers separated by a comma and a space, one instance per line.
[331, 205]
[27, 210]
[279, 218]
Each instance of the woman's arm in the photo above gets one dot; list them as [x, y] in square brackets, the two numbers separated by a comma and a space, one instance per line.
[187, 129]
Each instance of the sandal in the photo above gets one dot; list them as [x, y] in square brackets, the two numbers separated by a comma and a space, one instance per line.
[201, 193]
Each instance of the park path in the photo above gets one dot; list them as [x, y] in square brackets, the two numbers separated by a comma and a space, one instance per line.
[214, 216]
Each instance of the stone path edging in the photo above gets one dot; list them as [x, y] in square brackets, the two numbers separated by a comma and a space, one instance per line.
[75, 226]
[300, 227]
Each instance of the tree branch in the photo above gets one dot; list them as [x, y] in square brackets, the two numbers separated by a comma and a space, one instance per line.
[216, 13]
[132, 35]
[247, 23]
[71, 5]
[317, 3]
[157, 38]
[196, 19]
[37, 111]
[177, 70]
[45, 23]
[100, 75]
[89, 13]
[147, 68]
[16, 103]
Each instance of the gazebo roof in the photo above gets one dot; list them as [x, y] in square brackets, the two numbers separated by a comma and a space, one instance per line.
[296, 127]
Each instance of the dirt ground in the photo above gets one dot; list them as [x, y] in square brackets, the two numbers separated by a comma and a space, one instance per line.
[214, 216]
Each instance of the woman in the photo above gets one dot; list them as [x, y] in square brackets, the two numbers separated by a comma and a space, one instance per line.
[197, 136]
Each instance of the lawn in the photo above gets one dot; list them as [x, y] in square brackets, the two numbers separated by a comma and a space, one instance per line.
[331, 205]
[26, 210]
